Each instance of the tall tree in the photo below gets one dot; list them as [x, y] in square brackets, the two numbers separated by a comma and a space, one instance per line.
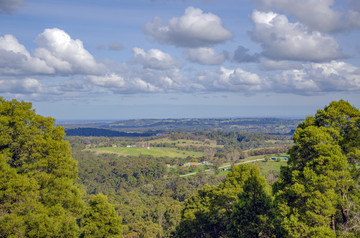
[37, 173]
[318, 192]
[207, 214]
[252, 213]
[100, 219]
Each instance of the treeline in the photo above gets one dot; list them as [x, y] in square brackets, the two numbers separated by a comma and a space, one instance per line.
[268, 151]
[255, 143]
[105, 133]
[230, 140]
[245, 141]
[261, 125]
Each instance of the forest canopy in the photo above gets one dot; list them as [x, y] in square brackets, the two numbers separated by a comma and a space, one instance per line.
[317, 194]
[38, 197]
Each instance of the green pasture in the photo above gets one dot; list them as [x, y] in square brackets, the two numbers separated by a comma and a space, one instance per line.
[153, 151]
[185, 142]
[267, 167]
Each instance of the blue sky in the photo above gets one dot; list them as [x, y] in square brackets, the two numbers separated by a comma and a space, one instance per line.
[122, 59]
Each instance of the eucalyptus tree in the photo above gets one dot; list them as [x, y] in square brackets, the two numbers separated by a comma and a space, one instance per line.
[318, 192]
[37, 173]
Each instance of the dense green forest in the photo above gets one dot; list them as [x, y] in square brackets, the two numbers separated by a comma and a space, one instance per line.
[54, 185]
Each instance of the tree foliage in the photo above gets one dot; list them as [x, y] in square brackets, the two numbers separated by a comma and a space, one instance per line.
[100, 219]
[318, 192]
[38, 195]
[208, 213]
[252, 213]
[37, 173]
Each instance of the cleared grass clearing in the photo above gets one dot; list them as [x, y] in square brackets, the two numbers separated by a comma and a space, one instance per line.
[153, 151]
[184, 142]
[267, 167]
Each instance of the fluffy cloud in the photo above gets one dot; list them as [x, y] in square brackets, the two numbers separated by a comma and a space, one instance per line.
[316, 14]
[9, 6]
[305, 79]
[204, 55]
[57, 54]
[65, 55]
[111, 81]
[231, 80]
[139, 80]
[282, 40]
[193, 29]
[319, 15]
[16, 60]
[141, 85]
[154, 59]
[241, 55]
[318, 78]
[302, 79]
[20, 86]
[164, 80]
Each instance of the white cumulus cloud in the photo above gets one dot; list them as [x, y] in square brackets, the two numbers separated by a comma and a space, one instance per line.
[57, 54]
[317, 78]
[154, 59]
[282, 40]
[316, 14]
[143, 86]
[231, 80]
[205, 56]
[319, 15]
[16, 60]
[20, 86]
[112, 81]
[65, 55]
[193, 29]
[140, 80]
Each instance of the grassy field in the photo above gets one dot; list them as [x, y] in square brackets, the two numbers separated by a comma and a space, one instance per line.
[267, 167]
[184, 142]
[154, 151]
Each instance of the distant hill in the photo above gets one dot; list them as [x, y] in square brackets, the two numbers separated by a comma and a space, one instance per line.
[262, 125]
[103, 132]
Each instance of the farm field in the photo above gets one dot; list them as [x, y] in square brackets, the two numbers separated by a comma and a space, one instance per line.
[153, 151]
[185, 142]
[266, 168]
[270, 166]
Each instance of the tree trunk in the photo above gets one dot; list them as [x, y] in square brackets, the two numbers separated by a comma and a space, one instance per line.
[333, 223]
